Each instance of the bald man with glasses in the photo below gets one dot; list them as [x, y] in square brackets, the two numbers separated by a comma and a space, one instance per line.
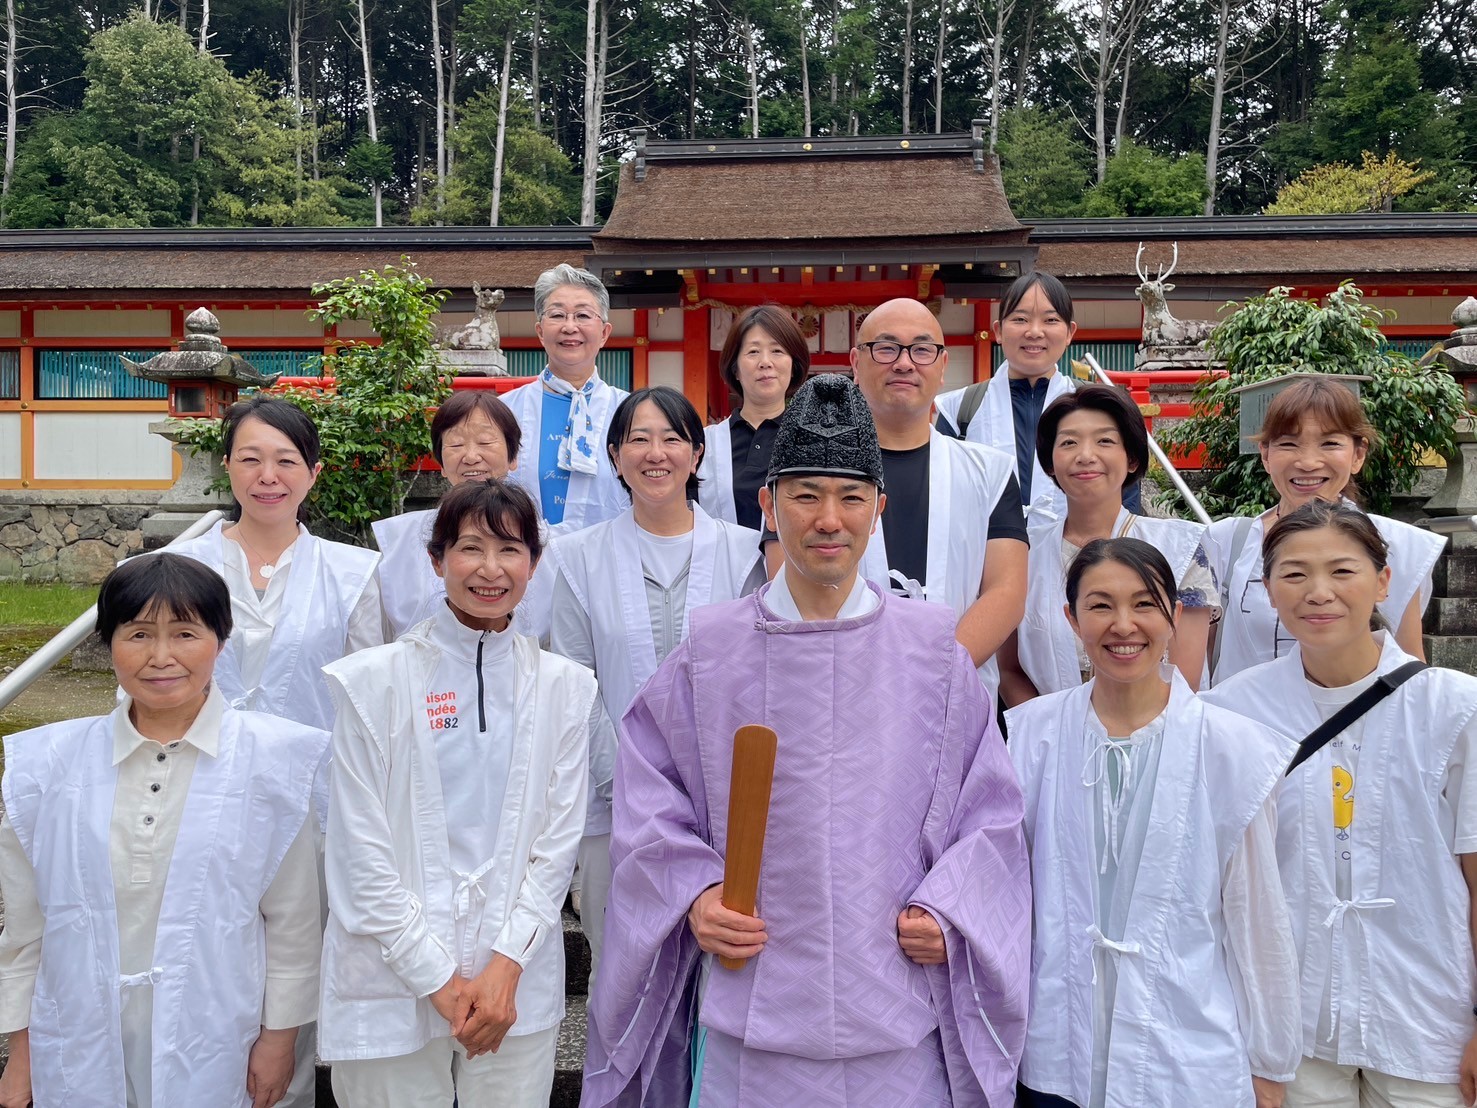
[953, 531]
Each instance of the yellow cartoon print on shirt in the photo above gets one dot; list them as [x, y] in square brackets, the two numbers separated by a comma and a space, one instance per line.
[1343, 798]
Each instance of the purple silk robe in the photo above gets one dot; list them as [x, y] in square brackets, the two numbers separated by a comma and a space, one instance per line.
[891, 787]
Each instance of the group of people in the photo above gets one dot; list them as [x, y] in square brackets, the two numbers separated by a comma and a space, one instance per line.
[1219, 848]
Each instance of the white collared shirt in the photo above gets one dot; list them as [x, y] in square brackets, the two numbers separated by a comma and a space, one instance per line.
[781, 602]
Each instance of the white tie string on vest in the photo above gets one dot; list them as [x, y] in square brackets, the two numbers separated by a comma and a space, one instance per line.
[1334, 921]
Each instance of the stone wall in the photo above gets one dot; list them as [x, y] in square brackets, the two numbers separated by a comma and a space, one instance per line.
[71, 536]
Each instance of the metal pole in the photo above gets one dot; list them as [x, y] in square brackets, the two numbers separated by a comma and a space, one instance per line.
[1163, 459]
[66, 640]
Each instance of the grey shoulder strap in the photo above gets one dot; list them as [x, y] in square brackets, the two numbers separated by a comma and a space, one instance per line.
[1239, 535]
[969, 404]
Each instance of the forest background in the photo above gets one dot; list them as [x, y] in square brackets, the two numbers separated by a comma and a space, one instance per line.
[382, 112]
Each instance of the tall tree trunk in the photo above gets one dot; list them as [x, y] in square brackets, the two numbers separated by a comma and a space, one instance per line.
[1001, 13]
[1024, 62]
[835, 49]
[1217, 99]
[804, 68]
[938, 69]
[204, 25]
[538, 114]
[1100, 94]
[373, 122]
[1122, 117]
[502, 128]
[453, 63]
[746, 26]
[314, 121]
[12, 49]
[420, 160]
[295, 55]
[184, 10]
[592, 118]
[692, 71]
[437, 62]
[907, 67]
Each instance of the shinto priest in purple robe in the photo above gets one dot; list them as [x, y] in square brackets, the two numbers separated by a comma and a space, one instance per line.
[892, 788]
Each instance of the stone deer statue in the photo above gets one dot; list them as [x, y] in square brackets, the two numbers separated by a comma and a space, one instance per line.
[481, 333]
[1161, 328]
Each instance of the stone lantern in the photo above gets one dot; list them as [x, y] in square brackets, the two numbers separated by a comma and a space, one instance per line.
[1458, 356]
[204, 379]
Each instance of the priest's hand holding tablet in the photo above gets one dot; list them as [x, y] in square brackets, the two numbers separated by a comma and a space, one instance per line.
[721, 930]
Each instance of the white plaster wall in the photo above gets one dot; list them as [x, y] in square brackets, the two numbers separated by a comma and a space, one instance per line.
[102, 446]
[622, 323]
[10, 446]
[10, 325]
[1433, 310]
[107, 322]
[960, 371]
[664, 367]
[1107, 313]
[268, 323]
[664, 326]
[956, 318]
[836, 328]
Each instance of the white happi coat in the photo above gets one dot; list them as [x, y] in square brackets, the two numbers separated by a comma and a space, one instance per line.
[245, 807]
[602, 565]
[411, 591]
[324, 583]
[592, 497]
[964, 483]
[1413, 556]
[715, 472]
[1175, 1028]
[1398, 953]
[388, 864]
[994, 425]
[1046, 644]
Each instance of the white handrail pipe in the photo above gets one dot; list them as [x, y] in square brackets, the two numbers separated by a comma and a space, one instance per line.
[67, 640]
[1154, 448]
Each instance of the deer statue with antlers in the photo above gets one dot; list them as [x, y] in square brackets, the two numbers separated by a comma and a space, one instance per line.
[1161, 328]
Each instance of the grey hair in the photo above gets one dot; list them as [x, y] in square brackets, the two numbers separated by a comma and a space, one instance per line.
[565, 274]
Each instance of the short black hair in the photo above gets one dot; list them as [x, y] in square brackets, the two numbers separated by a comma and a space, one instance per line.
[189, 589]
[1114, 403]
[499, 507]
[680, 414]
[461, 405]
[1055, 292]
[1135, 554]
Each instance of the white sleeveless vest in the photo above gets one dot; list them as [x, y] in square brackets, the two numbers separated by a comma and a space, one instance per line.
[603, 567]
[715, 473]
[1045, 642]
[1398, 951]
[965, 481]
[245, 807]
[1215, 773]
[323, 586]
[1413, 556]
[592, 498]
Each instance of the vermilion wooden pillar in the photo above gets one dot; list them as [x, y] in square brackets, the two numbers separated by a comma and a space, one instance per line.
[695, 358]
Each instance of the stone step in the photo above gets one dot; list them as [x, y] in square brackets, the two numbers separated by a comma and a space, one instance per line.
[1456, 575]
[1452, 616]
[1457, 652]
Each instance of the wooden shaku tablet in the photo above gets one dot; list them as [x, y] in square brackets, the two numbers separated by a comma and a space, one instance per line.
[748, 815]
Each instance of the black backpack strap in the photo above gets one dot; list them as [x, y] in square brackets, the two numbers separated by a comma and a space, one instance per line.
[969, 404]
[1350, 712]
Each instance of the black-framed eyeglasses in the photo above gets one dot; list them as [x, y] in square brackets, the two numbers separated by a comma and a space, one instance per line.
[919, 353]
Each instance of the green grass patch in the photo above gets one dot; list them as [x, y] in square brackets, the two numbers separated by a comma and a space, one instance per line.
[28, 605]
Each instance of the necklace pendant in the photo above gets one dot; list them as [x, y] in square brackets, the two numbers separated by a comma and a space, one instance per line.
[267, 571]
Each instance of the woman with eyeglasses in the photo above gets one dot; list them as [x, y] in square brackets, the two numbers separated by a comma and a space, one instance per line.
[1314, 440]
[564, 413]
[1091, 444]
[624, 588]
[765, 359]
[1376, 828]
[1163, 965]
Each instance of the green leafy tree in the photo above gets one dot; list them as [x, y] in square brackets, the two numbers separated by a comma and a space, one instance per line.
[375, 426]
[1141, 182]
[1043, 163]
[1339, 187]
[1414, 408]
